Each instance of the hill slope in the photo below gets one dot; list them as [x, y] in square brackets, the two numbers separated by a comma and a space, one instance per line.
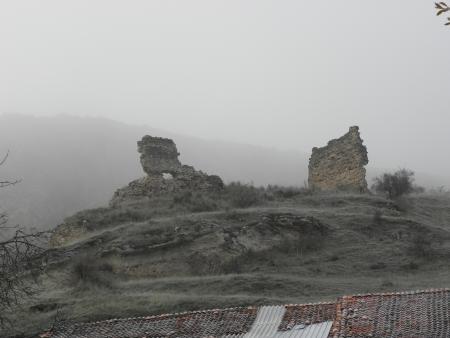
[67, 164]
[205, 251]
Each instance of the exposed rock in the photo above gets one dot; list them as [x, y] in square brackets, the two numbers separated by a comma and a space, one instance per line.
[67, 232]
[165, 173]
[303, 224]
[340, 164]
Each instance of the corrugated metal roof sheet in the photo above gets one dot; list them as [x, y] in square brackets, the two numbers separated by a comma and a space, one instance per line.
[268, 321]
[320, 330]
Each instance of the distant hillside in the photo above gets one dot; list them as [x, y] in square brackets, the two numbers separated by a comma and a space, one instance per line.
[69, 163]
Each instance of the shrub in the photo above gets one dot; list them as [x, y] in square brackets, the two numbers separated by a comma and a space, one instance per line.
[242, 195]
[411, 266]
[287, 192]
[333, 258]
[303, 244]
[386, 283]
[195, 202]
[397, 184]
[202, 204]
[183, 198]
[378, 266]
[402, 204]
[284, 192]
[421, 246]
[377, 217]
[90, 270]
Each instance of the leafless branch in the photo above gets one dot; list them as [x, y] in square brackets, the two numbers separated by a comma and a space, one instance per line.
[21, 258]
[442, 8]
[3, 160]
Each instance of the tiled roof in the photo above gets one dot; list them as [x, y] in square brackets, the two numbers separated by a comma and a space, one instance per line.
[307, 314]
[266, 321]
[418, 314]
[210, 323]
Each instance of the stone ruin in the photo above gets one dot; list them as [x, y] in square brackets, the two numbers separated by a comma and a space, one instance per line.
[340, 164]
[165, 173]
[159, 156]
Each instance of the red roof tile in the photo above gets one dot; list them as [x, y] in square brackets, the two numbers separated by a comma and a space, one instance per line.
[212, 323]
[307, 314]
[418, 314]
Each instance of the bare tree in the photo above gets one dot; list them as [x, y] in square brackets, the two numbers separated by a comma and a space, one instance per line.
[21, 258]
[397, 184]
[442, 8]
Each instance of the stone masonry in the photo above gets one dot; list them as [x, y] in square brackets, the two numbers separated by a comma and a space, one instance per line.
[165, 173]
[340, 164]
[159, 155]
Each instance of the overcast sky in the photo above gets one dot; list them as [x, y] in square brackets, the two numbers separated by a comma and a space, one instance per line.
[282, 73]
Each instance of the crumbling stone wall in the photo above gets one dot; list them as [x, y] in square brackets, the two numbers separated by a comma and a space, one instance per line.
[159, 158]
[159, 155]
[340, 164]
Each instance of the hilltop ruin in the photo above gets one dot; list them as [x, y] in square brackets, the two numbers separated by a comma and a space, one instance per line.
[159, 155]
[165, 173]
[340, 164]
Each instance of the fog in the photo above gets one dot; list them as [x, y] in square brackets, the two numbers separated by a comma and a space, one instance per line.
[66, 164]
[281, 76]
[288, 75]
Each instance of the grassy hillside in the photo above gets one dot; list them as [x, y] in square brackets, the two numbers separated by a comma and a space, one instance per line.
[243, 246]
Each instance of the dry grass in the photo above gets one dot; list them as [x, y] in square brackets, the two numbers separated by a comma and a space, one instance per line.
[370, 246]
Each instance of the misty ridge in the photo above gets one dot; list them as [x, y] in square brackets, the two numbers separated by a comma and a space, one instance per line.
[66, 164]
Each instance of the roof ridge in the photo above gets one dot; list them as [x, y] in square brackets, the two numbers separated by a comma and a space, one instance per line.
[168, 315]
[398, 293]
[308, 304]
[175, 314]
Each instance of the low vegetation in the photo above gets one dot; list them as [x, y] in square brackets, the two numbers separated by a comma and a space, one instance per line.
[245, 245]
[396, 184]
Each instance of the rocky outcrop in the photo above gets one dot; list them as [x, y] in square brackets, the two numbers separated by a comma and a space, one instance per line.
[340, 164]
[165, 173]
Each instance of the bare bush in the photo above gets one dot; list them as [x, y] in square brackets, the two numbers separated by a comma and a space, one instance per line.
[397, 184]
[21, 259]
[421, 246]
[89, 270]
[195, 202]
[377, 218]
[242, 195]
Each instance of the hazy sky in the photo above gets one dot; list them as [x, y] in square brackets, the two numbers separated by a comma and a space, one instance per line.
[289, 74]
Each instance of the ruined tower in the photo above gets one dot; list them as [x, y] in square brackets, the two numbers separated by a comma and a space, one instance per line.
[159, 155]
[340, 164]
[165, 173]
